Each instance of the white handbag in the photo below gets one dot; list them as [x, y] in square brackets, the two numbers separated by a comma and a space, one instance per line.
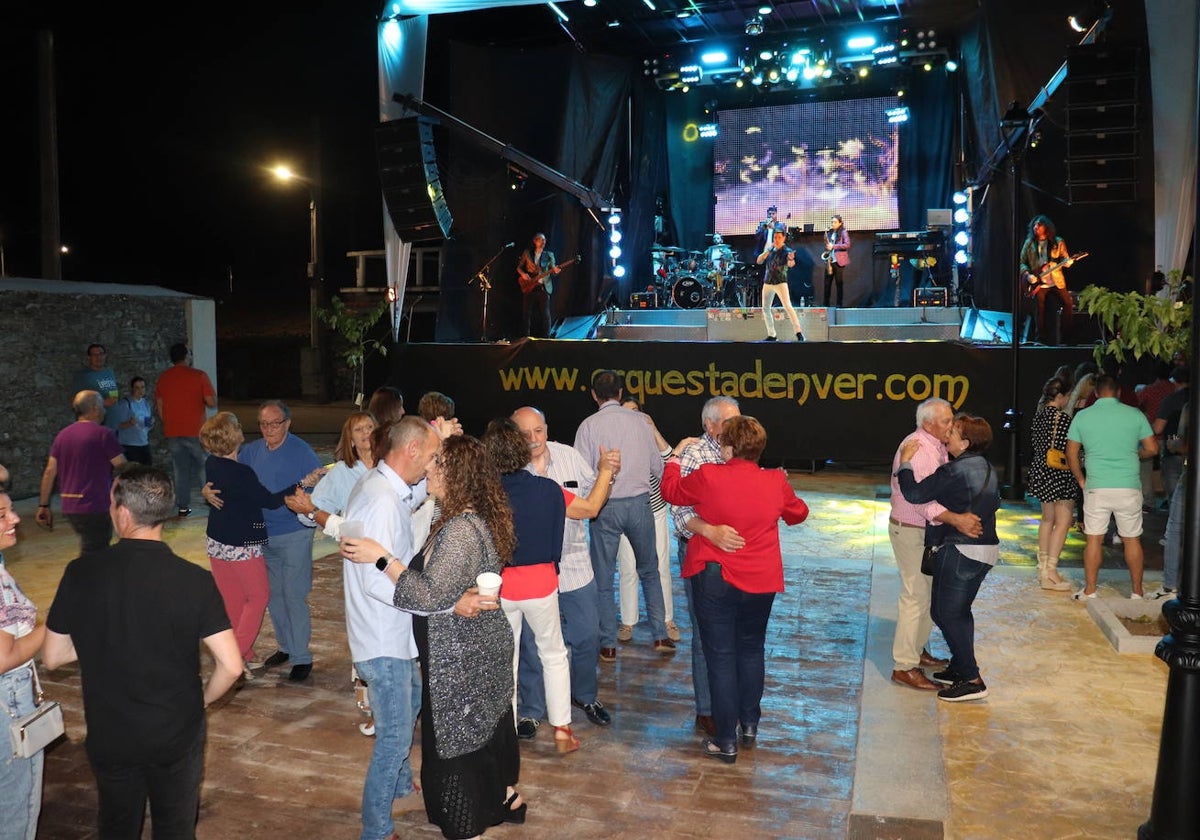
[32, 733]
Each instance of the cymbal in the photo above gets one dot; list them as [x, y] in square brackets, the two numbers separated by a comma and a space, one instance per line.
[664, 248]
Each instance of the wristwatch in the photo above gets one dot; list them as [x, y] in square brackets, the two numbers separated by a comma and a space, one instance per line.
[312, 515]
[382, 563]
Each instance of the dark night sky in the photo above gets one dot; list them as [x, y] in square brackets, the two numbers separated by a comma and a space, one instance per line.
[165, 126]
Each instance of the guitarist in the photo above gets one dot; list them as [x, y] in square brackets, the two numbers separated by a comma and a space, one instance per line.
[535, 270]
[1042, 250]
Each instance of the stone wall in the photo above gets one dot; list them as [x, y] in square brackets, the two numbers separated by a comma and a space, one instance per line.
[47, 328]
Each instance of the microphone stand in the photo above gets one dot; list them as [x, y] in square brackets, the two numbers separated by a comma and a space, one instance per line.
[484, 278]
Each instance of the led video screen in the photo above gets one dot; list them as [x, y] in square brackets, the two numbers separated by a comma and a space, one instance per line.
[811, 160]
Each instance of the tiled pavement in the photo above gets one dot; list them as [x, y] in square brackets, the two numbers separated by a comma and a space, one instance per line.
[1065, 745]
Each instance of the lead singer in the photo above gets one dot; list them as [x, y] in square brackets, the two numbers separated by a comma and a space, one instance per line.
[779, 258]
[837, 256]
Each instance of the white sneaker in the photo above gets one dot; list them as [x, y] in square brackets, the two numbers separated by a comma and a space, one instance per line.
[1133, 596]
[1083, 596]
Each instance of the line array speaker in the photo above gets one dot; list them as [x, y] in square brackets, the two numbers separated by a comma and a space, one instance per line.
[408, 174]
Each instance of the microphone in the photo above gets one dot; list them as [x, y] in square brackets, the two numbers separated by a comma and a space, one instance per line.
[509, 245]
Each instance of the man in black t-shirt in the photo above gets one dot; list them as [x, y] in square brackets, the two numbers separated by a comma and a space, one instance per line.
[1166, 427]
[133, 614]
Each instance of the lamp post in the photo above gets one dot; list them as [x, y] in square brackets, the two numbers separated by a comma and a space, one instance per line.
[316, 341]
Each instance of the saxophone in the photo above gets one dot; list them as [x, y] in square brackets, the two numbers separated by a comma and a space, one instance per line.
[830, 239]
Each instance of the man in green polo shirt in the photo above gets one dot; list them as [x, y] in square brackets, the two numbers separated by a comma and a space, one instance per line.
[1114, 437]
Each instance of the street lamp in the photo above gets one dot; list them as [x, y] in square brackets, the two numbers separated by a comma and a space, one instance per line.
[286, 174]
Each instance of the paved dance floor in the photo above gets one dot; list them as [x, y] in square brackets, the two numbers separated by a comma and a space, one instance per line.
[1065, 746]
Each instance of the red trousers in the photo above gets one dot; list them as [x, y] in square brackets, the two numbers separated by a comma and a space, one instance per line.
[244, 588]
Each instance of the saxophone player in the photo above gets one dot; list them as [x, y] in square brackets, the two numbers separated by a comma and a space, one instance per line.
[836, 257]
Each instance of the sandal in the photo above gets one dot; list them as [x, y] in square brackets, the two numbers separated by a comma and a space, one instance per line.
[712, 748]
[511, 814]
[568, 743]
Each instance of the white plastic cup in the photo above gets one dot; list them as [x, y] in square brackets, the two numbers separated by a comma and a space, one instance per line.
[353, 530]
[488, 583]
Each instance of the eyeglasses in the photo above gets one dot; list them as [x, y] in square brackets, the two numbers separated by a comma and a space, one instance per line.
[271, 424]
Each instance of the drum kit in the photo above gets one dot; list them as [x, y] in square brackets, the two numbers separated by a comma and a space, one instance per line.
[698, 279]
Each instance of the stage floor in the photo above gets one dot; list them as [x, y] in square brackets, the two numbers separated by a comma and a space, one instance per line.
[818, 324]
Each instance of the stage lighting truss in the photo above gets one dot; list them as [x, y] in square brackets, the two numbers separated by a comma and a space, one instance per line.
[790, 65]
[614, 238]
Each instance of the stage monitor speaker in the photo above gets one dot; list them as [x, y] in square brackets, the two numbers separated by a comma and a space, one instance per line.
[412, 189]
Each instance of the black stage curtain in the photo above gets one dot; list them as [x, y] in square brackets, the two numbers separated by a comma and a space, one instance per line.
[1010, 51]
[566, 110]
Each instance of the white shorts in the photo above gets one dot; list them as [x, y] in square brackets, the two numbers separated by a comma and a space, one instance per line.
[1112, 502]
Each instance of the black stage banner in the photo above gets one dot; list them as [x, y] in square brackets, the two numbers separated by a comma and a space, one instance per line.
[846, 402]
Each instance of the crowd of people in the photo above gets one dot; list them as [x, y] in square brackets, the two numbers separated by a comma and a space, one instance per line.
[427, 516]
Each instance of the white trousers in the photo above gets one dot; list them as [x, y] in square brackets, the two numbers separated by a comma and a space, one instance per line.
[785, 300]
[543, 618]
[913, 621]
[627, 569]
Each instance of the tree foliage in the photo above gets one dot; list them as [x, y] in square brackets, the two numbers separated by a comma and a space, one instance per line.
[1137, 324]
[354, 326]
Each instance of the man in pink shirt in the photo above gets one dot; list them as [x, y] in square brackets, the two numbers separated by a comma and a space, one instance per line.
[906, 528]
[182, 397]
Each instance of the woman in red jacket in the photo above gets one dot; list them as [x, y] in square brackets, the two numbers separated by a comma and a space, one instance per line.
[734, 591]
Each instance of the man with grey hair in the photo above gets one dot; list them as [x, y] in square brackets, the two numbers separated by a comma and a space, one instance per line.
[628, 509]
[706, 450]
[280, 459]
[906, 529]
[82, 459]
[134, 615]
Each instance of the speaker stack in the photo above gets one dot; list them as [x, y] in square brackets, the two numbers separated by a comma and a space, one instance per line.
[408, 174]
[1102, 124]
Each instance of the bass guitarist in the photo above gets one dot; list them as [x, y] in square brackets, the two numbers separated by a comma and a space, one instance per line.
[1043, 257]
[535, 271]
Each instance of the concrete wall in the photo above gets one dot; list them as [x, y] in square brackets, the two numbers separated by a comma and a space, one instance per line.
[47, 328]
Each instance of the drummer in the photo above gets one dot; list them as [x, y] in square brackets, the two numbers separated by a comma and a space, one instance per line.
[719, 260]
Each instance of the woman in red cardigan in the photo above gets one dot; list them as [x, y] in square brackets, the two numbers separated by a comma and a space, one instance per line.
[734, 591]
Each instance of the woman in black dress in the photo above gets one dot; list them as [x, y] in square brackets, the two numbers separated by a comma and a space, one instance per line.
[1055, 489]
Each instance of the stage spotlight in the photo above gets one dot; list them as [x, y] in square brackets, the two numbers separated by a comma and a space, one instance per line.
[960, 257]
[757, 80]
[715, 57]
[1074, 23]
[793, 74]
[765, 10]
[900, 93]
[614, 219]
[766, 55]
[619, 271]
[863, 72]
[615, 252]
[861, 42]
[962, 238]
[754, 26]
[739, 83]
[615, 236]
[810, 73]
[960, 197]
[928, 66]
[961, 215]
[589, 3]
[773, 74]
[951, 65]
[828, 73]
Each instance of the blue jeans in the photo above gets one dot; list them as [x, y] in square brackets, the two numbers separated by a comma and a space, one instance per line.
[188, 457]
[20, 778]
[395, 688]
[289, 573]
[1172, 469]
[956, 581]
[1173, 536]
[733, 630]
[699, 666]
[173, 790]
[581, 632]
[632, 517]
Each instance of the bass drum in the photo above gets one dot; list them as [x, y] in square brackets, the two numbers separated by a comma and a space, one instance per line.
[689, 293]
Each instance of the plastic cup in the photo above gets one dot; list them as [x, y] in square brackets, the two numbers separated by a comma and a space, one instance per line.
[488, 583]
[352, 530]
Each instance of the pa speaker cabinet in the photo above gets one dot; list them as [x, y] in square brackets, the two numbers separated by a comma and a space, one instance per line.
[408, 174]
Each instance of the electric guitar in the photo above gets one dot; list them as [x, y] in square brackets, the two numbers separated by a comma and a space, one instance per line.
[1041, 280]
[530, 282]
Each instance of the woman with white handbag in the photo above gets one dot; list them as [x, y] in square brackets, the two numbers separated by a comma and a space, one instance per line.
[21, 637]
